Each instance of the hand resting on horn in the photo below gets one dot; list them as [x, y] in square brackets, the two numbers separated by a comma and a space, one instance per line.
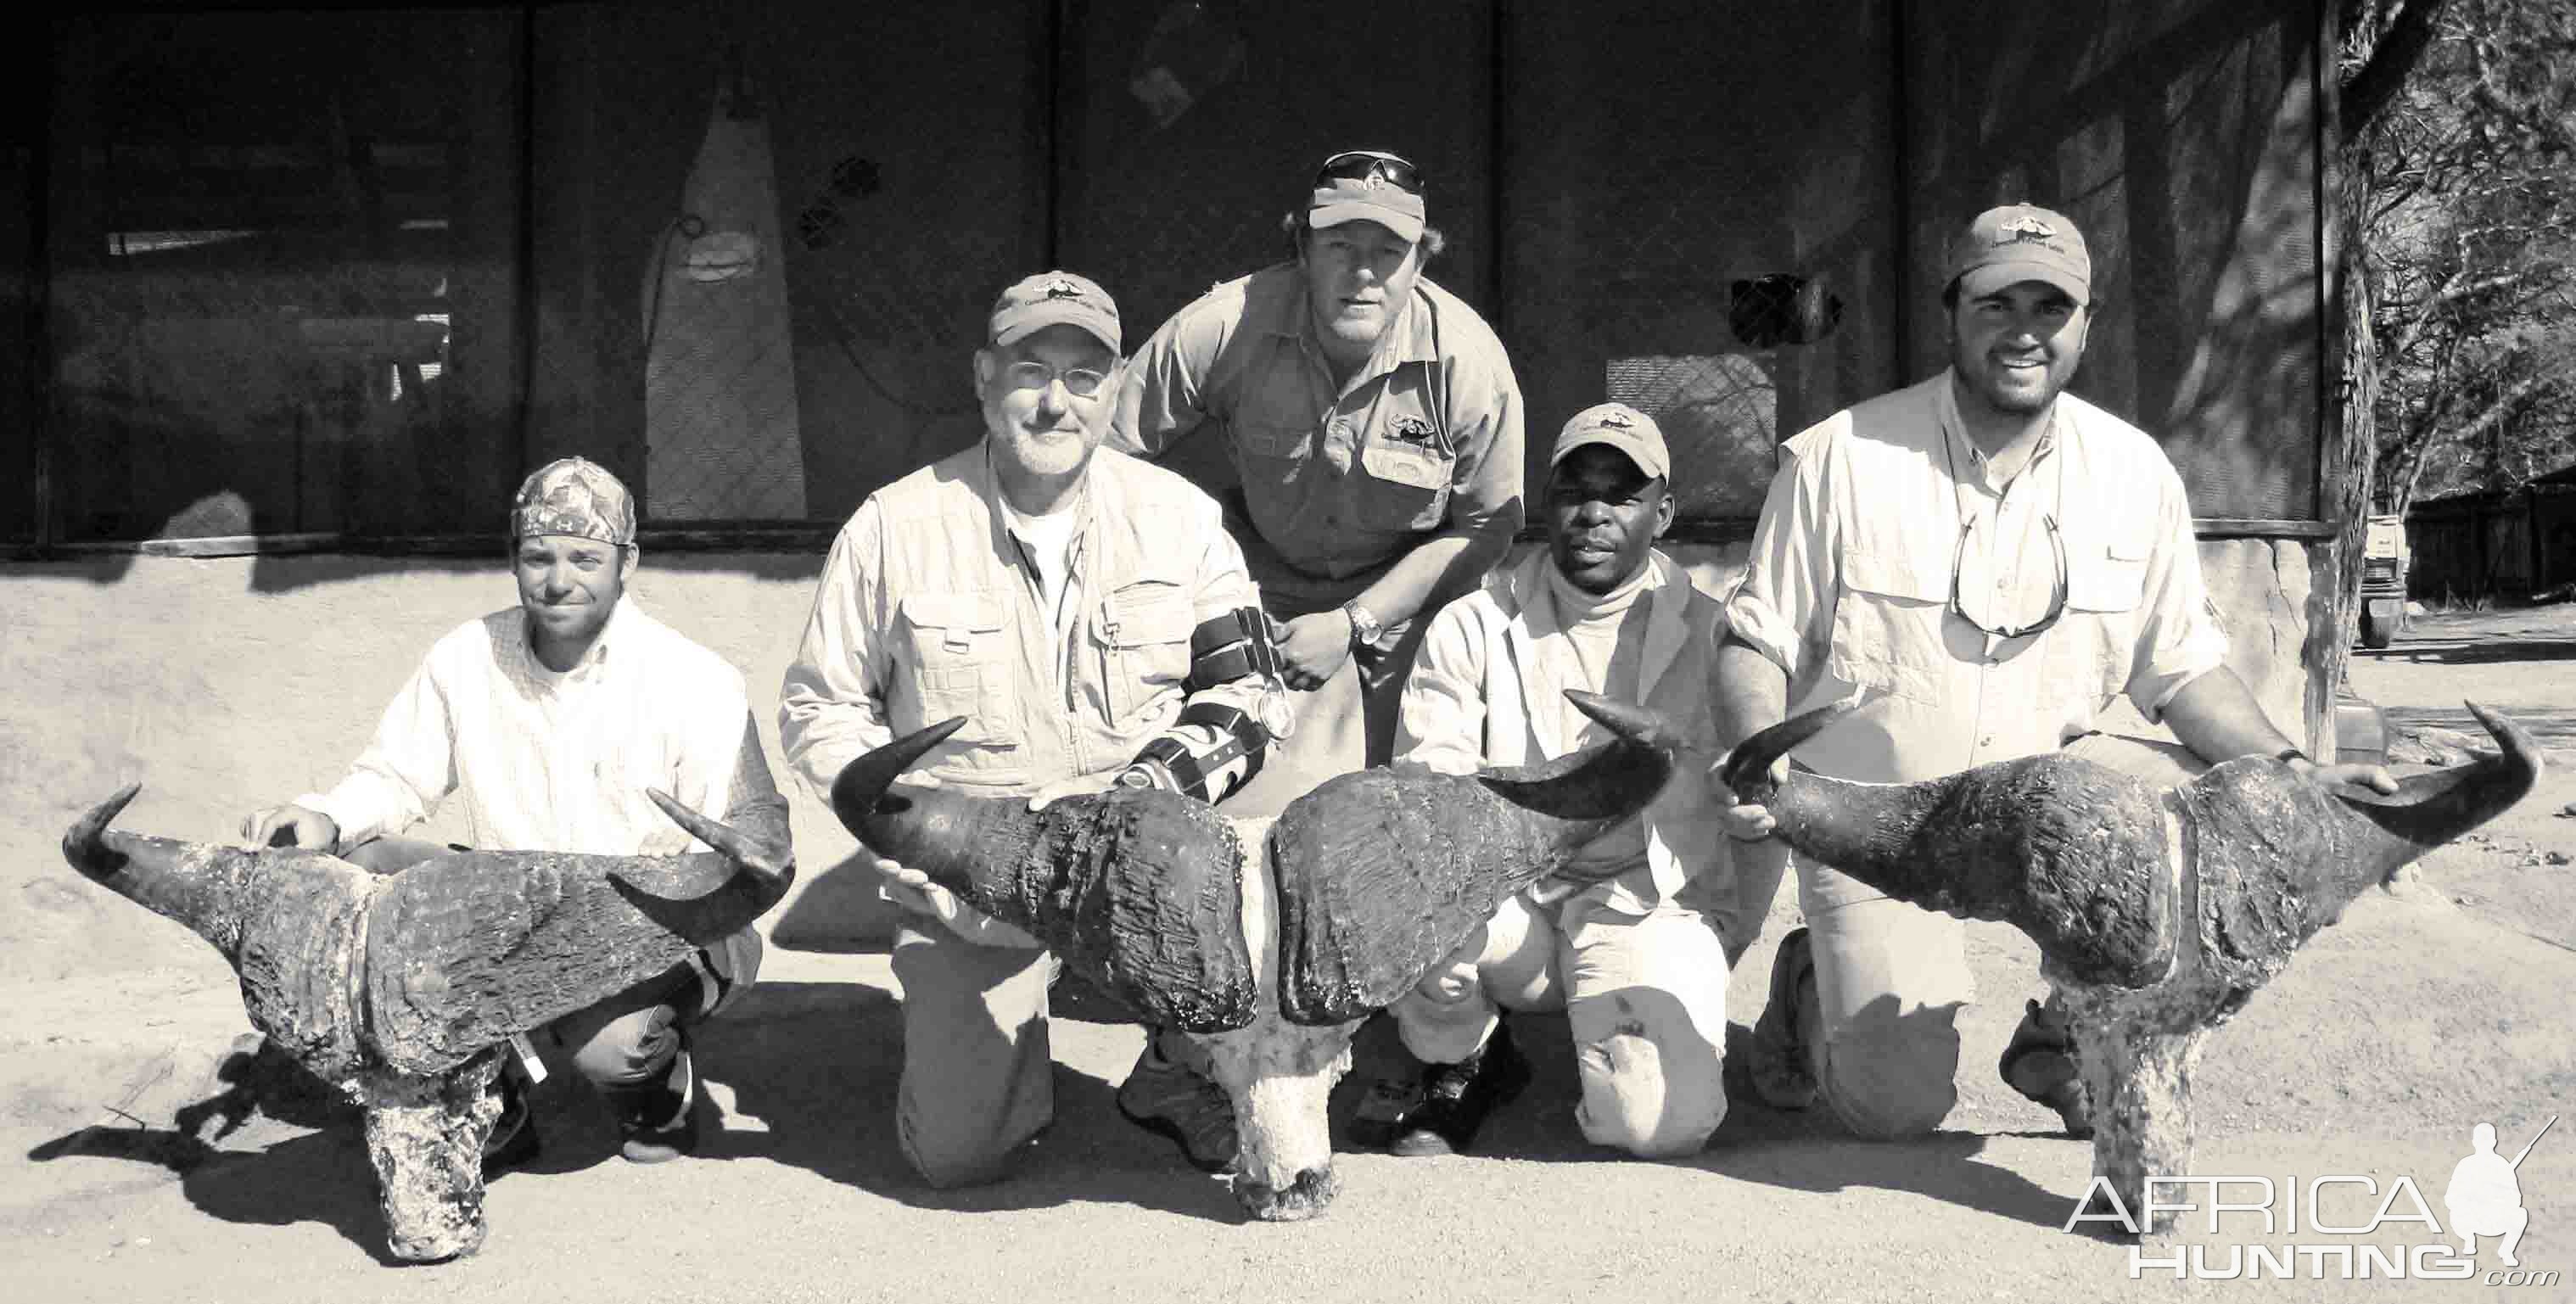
[912, 892]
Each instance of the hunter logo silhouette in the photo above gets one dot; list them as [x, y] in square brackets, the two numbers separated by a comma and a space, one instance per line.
[2484, 1198]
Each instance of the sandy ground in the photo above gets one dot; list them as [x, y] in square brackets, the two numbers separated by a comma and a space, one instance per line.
[2429, 1009]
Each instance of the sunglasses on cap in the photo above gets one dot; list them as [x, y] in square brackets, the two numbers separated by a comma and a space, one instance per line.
[1361, 164]
[2056, 597]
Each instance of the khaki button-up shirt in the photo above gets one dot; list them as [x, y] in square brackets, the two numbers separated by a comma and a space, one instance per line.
[1848, 583]
[1337, 481]
[928, 609]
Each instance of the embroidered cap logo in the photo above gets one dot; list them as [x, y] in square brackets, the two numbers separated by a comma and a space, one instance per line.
[2026, 230]
[1063, 289]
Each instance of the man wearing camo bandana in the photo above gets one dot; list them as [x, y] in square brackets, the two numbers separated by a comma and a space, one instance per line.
[552, 718]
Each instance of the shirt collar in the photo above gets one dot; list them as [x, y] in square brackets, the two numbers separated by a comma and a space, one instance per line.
[1415, 338]
[1964, 452]
[597, 653]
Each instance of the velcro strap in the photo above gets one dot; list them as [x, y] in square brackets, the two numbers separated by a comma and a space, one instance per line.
[1240, 737]
[1228, 647]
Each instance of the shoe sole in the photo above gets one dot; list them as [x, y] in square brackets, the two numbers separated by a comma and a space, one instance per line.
[1172, 1132]
[1423, 1143]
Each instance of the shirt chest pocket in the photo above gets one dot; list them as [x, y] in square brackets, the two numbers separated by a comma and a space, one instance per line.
[1887, 620]
[2106, 581]
[962, 666]
[2107, 574]
[1404, 485]
[1142, 632]
[1272, 441]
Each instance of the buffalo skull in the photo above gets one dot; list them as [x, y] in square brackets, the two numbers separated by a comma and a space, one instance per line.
[399, 989]
[2158, 911]
[1266, 940]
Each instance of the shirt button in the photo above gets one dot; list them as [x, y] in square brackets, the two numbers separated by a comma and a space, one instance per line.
[1987, 741]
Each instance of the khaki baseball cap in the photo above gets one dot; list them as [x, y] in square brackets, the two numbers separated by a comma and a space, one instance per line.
[1367, 185]
[2016, 243]
[1621, 427]
[1054, 299]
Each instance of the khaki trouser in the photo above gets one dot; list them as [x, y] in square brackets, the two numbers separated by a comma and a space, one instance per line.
[1644, 995]
[1880, 1022]
[978, 1076]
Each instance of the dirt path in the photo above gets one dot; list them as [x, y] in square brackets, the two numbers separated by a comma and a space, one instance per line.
[2424, 1012]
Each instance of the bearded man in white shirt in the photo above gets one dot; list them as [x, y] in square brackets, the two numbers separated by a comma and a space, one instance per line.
[553, 718]
[1993, 559]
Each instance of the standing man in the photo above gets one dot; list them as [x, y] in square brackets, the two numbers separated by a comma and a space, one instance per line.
[1372, 420]
[553, 718]
[1091, 619]
[1995, 559]
[1634, 941]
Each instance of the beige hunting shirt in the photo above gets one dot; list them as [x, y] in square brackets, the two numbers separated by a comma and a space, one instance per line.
[1848, 583]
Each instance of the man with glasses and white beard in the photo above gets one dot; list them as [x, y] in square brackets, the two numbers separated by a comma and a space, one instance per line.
[1992, 559]
[1091, 619]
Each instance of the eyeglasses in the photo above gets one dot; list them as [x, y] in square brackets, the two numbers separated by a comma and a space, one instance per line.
[1081, 382]
[2056, 601]
[1361, 164]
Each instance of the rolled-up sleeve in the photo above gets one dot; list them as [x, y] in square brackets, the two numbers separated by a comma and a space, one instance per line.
[1160, 401]
[1440, 718]
[1485, 491]
[831, 704]
[1785, 597]
[2179, 637]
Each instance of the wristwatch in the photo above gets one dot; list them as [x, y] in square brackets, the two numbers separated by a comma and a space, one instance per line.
[1364, 627]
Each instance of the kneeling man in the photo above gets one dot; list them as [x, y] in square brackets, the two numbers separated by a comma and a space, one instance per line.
[552, 719]
[1637, 951]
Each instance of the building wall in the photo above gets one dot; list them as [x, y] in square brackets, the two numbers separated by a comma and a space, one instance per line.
[225, 685]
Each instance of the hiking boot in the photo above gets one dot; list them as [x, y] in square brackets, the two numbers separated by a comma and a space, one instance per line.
[1164, 1097]
[2039, 1062]
[513, 1138]
[1778, 1064]
[1450, 1101]
[658, 1122]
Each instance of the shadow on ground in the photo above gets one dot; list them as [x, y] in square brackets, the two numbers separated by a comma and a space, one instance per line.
[1806, 1150]
[817, 1065]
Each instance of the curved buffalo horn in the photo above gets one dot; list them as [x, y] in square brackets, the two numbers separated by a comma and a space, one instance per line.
[863, 783]
[1139, 891]
[200, 885]
[1746, 771]
[2431, 809]
[2078, 856]
[703, 902]
[2278, 857]
[1384, 871]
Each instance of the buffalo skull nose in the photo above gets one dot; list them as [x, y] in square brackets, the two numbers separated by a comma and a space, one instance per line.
[1308, 1196]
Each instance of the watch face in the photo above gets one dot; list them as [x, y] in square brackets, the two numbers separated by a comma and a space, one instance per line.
[1275, 714]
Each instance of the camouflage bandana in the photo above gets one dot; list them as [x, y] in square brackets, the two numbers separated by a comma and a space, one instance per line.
[577, 497]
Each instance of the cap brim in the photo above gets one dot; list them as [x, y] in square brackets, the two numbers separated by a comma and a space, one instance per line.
[1640, 457]
[1980, 281]
[1038, 317]
[1407, 226]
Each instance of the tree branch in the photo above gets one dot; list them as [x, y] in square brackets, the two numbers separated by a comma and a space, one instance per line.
[2392, 57]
